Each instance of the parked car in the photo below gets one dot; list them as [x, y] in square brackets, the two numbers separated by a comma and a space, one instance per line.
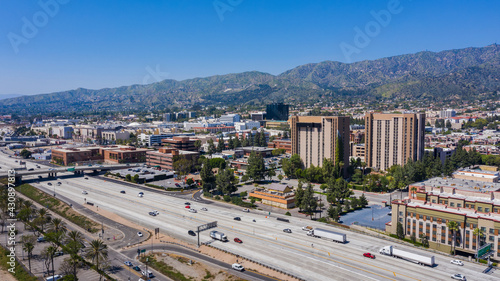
[237, 219]
[238, 240]
[58, 253]
[237, 266]
[127, 263]
[369, 255]
[287, 230]
[192, 233]
[139, 234]
[41, 239]
[54, 278]
[458, 277]
[457, 262]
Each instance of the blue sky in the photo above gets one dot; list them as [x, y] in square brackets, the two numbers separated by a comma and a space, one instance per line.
[98, 44]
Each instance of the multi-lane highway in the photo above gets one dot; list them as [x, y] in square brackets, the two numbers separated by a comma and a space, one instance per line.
[264, 240]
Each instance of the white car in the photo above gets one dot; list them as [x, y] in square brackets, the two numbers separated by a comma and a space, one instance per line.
[204, 209]
[85, 192]
[459, 277]
[246, 210]
[457, 262]
[141, 194]
[237, 266]
[193, 211]
[139, 234]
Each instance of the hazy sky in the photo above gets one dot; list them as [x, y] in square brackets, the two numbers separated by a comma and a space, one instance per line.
[55, 45]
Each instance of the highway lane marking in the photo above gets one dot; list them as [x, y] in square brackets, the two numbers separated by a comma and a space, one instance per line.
[196, 219]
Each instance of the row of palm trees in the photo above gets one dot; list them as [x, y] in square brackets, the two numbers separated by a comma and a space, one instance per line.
[453, 227]
[57, 234]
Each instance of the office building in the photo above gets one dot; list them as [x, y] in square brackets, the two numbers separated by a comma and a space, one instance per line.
[230, 118]
[315, 138]
[164, 157]
[392, 139]
[180, 143]
[448, 113]
[277, 111]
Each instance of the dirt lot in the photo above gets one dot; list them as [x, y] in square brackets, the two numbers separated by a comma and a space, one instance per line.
[194, 270]
[6, 276]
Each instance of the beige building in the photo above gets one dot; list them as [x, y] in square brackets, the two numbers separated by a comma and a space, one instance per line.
[435, 202]
[392, 139]
[315, 138]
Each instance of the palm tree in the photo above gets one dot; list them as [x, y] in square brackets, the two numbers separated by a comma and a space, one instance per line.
[363, 164]
[98, 252]
[413, 191]
[453, 227]
[49, 253]
[74, 241]
[478, 233]
[44, 218]
[28, 246]
[57, 225]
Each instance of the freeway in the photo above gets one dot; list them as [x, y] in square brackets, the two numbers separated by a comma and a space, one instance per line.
[263, 240]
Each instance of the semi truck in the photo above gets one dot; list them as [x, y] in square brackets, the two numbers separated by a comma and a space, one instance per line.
[322, 233]
[218, 235]
[416, 258]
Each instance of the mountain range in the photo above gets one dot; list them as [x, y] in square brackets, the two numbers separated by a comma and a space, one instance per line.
[467, 74]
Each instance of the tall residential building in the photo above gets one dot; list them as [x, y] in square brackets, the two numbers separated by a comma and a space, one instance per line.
[392, 139]
[448, 113]
[315, 138]
[277, 111]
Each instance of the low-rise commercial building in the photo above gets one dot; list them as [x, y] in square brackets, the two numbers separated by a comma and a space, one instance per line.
[276, 195]
[180, 143]
[165, 157]
[285, 144]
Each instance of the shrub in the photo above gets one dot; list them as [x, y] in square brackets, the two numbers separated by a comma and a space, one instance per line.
[217, 197]
[243, 194]
[288, 214]
[208, 194]
[227, 198]
[322, 220]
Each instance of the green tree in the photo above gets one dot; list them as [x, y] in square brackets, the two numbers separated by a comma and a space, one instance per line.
[183, 166]
[256, 167]
[333, 213]
[135, 178]
[25, 153]
[290, 166]
[48, 253]
[299, 196]
[221, 144]
[362, 201]
[217, 163]
[226, 182]
[270, 173]
[128, 177]
[98, 253]
[424, 240]
[74, 243]
[211, 147]
[399, 231]
[197, 144]
[207, 177]
[479, 233]
[236, 142]
[309, 202]
[230, 143]
[262, 141]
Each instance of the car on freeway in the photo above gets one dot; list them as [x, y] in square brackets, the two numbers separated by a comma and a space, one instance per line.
[192, 233]
[136, 268]
[49, 183]
[139, 234]
[31, 169]
[246, 210]
[187, 203]
[238, 240]
[59, 183]
[369, 255]
[152, 214]
[237, 266]
[458, 277]
[287, 230]
[187, 207]
[127, 263]
[204, 209]
[457, 262]
[193, 211]
[237, 219]
[39, 177]
[122, 192]
[141, 194]
[85, 192]
[86, 178]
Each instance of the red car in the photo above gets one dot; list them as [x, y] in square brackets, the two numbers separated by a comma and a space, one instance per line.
[238, 240]
[368, 255]
[187, 207]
